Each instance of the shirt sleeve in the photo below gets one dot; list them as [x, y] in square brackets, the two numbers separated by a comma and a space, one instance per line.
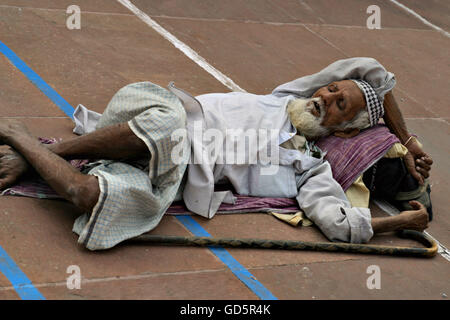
[363, 68]
[324, 202]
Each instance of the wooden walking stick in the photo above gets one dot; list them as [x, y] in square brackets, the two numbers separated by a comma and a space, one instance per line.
[429, 251]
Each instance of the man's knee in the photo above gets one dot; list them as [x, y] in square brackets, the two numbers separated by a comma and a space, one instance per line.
[85, 192]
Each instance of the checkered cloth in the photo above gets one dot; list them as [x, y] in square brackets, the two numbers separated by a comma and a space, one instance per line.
[373, 104]
[134, 196]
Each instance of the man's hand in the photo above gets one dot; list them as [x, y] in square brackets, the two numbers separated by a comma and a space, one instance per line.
[12, 166]
[416, 219]
[417, 161]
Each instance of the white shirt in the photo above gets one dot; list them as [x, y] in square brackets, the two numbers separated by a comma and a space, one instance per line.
[298, 175]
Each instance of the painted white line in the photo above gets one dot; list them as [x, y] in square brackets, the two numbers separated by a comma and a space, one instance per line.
[392, 211]
[418, 16]
[189, 52]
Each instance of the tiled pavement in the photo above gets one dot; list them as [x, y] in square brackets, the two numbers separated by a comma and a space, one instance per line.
[258, 44]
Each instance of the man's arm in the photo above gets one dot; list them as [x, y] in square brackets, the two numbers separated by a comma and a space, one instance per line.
[416, 219]
[417, 161]
[324, 202]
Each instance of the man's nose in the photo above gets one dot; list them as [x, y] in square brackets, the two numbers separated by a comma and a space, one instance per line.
[328, 98]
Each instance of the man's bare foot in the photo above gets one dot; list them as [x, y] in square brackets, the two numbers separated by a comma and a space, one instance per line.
[416, 219]
[11, 129]
[12, 166]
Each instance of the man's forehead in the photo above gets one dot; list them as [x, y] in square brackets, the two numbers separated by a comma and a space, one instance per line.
[354, 93]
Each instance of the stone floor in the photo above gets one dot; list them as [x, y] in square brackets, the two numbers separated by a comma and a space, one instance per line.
[259, 45]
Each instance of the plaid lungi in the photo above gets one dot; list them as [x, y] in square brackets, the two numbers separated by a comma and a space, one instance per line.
[134, 197]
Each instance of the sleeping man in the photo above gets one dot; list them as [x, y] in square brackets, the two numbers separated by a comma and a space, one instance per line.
[153, 146]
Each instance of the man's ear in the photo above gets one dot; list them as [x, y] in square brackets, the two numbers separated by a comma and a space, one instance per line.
[348, 133]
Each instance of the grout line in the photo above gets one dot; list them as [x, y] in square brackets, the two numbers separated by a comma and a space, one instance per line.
[423, 20]
[188, 51]
[162, 16]
[427, 118]
[276, 23]
[327, 41]
[426, 22]
[415, 100]
[119, 278]
[64, 10]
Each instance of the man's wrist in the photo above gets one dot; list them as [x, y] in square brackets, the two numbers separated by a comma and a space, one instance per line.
[404, 137]
[408, 141]
[411, 142]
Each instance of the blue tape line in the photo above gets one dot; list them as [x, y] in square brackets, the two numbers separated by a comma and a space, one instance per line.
[18, 279]
[8, 267]
[238, 270]
[37, 80]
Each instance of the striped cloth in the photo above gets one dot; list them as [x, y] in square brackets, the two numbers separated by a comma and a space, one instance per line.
[245, 204]
[349, 158]
[133, 198]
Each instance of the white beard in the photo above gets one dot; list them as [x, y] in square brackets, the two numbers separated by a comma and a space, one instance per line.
[299, 111]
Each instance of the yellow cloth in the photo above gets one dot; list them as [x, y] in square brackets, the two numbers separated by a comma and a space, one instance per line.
[293, 219]
[396, 151]
[358, 194]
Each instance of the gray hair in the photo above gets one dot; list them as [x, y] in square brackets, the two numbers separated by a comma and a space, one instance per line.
[360, 121]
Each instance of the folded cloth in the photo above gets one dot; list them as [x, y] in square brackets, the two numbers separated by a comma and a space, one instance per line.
[350, 157]
[85, 120]
[245, 204]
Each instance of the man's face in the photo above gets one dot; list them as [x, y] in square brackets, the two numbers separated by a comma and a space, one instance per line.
[307, 120]
[341, 102]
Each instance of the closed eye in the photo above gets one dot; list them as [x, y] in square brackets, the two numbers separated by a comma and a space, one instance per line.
[332, 88]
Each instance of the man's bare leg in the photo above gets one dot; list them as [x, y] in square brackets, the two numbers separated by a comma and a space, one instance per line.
[80, 189]
[116, 142]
